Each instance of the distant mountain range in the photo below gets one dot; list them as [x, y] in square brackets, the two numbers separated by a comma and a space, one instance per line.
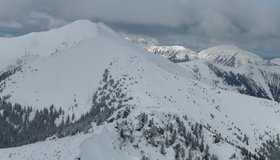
[229, 68]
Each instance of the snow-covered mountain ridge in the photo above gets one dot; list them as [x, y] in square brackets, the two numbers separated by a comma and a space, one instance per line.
[226, 55]
[17, 50]
[275, 61]
[230, 68]
[132, 104]
[230, 56]
[174, 53]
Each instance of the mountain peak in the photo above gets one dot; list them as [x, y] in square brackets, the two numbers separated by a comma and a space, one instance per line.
[46, 43]
[174, 53]
[230, 55]
[77, 26]
[82, 22]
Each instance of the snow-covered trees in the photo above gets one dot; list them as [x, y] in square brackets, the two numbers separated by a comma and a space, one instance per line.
[17, 128]
[172, 133]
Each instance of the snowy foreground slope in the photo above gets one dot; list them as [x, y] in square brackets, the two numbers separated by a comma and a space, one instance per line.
[139, 105]
[65, 148]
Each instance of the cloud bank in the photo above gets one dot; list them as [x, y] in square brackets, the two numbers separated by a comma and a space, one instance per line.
[251, 24]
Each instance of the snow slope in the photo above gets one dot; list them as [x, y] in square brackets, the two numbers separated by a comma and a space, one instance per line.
[230, 56]
[44, 43]
[55, 149]
[159, 88]
[228, 68]
[65, 79]
[275, 61]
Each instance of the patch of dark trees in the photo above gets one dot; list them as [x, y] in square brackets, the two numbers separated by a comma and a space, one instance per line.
[273, 84]
[245, 84]
[271, 148]
[21, 125]
[185, 142]
[4, 76]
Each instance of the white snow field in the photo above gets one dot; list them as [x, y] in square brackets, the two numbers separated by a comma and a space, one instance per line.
[14, 50]
[230, 56]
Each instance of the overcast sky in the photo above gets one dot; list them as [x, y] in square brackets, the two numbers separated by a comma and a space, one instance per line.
[249, 24]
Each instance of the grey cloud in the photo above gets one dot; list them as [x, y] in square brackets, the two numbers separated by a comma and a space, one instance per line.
[10, 24]
[251, 24]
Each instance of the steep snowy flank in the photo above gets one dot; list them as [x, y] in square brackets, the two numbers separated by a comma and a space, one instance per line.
[228, 68]
[68, 78]
[230, 56]
[174, 53]
[17, 50]
[134, 104]
[258, 80]
[272, 79]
